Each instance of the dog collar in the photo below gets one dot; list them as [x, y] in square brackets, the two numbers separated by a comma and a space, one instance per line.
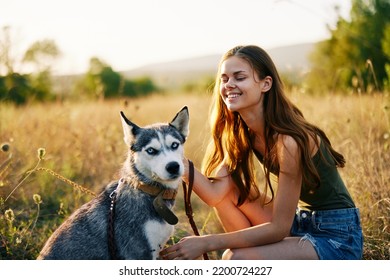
[159, 202]
[155, 191]
[163, 210]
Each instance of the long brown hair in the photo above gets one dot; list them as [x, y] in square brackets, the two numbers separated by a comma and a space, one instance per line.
[231, 139]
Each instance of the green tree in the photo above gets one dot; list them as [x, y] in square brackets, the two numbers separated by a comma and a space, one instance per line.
[20, 88]
[355, 55]
[91, 84]
[386, 50]
[111, 81]
[101, 81]
[142, 86]
[15, 88]
[41, 55]
[97, 82]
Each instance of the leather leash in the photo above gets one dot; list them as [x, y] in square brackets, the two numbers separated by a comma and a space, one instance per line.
[187, 201]
[111, 229]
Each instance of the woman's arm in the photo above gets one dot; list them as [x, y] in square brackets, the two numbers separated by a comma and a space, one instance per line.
[210, 191]
[285, 203]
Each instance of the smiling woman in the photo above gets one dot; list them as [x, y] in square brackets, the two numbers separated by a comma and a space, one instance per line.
[253, 116]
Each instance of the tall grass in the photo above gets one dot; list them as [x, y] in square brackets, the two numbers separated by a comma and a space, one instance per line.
[84, 143]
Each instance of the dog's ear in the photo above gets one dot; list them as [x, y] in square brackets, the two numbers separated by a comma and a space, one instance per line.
[181, 121]
[129, 129]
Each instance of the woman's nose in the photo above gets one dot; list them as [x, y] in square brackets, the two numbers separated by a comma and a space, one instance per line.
[230, 84]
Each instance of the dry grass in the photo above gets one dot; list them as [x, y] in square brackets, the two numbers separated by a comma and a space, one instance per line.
[84, 143]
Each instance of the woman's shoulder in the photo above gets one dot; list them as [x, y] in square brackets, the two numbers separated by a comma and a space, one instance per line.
[222, 170]
[290, 144]
[284, 141]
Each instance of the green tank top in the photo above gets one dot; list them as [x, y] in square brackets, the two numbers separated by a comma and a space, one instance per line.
[332, 192]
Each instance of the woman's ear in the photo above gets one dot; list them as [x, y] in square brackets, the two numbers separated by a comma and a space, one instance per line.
[267, 83]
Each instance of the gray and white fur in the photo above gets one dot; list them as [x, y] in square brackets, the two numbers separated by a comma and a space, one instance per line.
[155, 158]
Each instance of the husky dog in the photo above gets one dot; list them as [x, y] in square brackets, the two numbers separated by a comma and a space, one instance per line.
[132, 217]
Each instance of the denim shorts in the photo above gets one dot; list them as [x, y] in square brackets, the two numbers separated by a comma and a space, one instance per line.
[335, 234]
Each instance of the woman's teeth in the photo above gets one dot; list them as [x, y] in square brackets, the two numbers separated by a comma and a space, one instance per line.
[233, 95]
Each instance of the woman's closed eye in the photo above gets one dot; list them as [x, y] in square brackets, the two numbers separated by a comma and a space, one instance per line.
[240, 78]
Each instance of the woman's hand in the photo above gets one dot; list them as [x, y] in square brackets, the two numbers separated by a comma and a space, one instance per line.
[188, 248]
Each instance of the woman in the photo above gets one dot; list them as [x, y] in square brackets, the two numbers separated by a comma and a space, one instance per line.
[311, 215]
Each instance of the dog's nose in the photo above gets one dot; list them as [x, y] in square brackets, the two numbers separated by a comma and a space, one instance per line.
[173, 168]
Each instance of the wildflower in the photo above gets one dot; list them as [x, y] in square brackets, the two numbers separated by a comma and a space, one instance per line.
[61, 211]
[9, 215]
[41, 153]
[37, 199]
[5, 147]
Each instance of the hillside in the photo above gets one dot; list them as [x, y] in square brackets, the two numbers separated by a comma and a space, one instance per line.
[173, 73]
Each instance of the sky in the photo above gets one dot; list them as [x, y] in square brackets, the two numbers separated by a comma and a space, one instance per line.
[127, 34]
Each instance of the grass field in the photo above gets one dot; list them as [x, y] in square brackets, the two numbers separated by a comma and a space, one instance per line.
[84, 143]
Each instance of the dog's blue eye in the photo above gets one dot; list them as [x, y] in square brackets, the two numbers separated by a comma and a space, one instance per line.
[151, 151]
[174, 145]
